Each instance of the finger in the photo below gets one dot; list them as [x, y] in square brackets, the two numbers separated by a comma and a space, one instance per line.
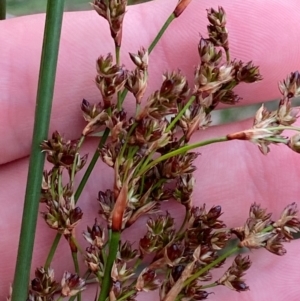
[256, 33]
[232, 174]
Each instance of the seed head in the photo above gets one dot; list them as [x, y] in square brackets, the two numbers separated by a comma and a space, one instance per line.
[233, 276]
[294, 143]
[291, 86]
[95, 235]
[181, 6]
[217, 31]
[288, 222]
[94, 260]
[208, 52]
[286, 115]
[113, 11]
[71, 285]
[147, 281]
[44, 284]
[246, 72]
[62, 215]
[141, 59]
[61, 152]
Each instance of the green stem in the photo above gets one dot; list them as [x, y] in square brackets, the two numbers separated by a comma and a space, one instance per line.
[161, 32]
[52, 250]
[130, 293]
[118, 48]
[179, 115]
[91, 280]
[113, 249]
[119, 96]
[151, 47]
[277, 140]
[179, 151]
[211, 265]
[48, 65]
[91, 165]
[227, 55]
[214, 284]
[283, 127]
[77, 270]
[2, 9]
[181, 231]
[75, 242]
[77, 155]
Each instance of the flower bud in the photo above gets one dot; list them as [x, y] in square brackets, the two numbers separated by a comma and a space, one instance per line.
[141, 59]
[291, 86]
[294, 143]
[208, 53]
[181, 6]
[147, 281]
[71, 285]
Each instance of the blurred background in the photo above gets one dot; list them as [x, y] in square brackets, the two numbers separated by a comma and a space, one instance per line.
[27, 7]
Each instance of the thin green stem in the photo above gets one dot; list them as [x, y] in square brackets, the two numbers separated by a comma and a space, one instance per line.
[227, 55]
[283, 127]
[214, 284]
[181, 231]
[179, 115]
[99, 277]
[82, 138]
[161, 32]
[92, 280]
[179, 151]
[2, 9]
[75, 261]
[75, 242]
[117, 50]
[130, 293]
[91, 165]
[277, 140]
[211, 265]
[113, 249]
[132, 128]
[145, 162]
[77, 270]
[48, 65]
[59, 184]
[151, 47]
[52, 250]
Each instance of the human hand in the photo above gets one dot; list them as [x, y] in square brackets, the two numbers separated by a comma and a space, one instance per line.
[234, 174]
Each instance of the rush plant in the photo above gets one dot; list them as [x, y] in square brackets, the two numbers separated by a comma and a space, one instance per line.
[152, 160]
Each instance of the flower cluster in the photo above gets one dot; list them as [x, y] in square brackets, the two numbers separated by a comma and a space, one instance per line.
[153, 162]
[268, 126]
[232, 278]
[260, 231]
[62, 214]
[44, 287]
[113, 12]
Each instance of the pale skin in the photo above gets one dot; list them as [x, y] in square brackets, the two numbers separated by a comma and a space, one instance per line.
[233, 174]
